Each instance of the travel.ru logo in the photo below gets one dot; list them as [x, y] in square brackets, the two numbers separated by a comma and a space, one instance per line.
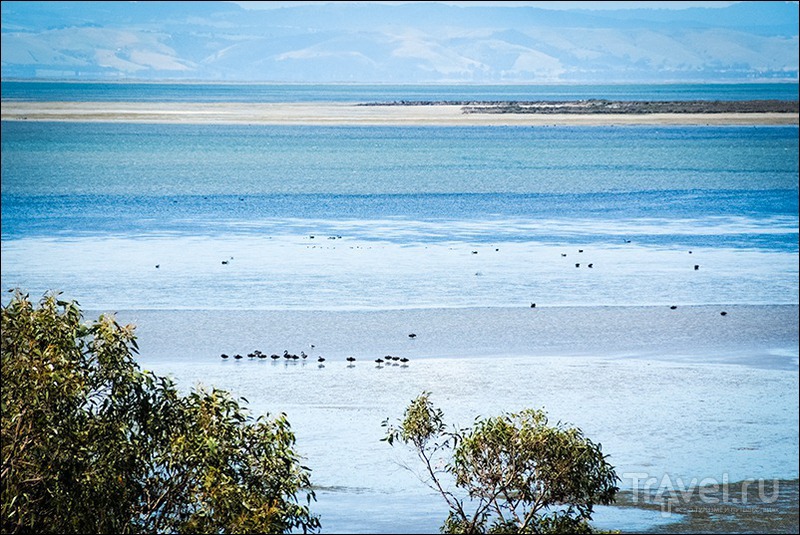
[709, 495]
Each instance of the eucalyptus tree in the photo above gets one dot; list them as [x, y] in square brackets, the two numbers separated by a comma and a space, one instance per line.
[93, 444]
[513, 473]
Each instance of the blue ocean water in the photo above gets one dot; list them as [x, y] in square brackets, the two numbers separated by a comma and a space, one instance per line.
[411, 202]
[221, 92]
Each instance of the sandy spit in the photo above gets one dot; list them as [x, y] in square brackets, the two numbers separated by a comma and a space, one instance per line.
[351, 114]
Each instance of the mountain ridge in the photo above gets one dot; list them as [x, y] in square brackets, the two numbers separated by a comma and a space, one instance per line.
[422, 42]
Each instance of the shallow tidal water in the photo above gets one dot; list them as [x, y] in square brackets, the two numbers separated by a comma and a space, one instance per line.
[659, 408]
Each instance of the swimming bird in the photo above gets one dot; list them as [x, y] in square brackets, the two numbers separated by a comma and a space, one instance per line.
[379, 361]
[320, 359]
[577, 265]
[224, 356]
[237, 356]
[412, 335]
[350, 359]
[696, 267]
[673, 307]
[158, 266]
[590, 265]
[274, 356]
[303, 354]
[563, 255]
[533, 305]
[404, 360]
[723, 313]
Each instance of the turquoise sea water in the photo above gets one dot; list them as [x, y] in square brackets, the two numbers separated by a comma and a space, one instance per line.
[229, 238]
[377, 217]
[221, 92]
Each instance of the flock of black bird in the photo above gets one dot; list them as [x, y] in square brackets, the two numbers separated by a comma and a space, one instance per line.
[591, 265]
[388, 360]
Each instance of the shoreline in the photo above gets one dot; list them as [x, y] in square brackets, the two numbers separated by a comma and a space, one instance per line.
[354, 114]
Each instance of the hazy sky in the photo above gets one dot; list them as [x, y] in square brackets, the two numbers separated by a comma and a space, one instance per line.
[547, 5]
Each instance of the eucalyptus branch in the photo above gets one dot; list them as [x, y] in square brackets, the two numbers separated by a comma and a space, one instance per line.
[452, 502]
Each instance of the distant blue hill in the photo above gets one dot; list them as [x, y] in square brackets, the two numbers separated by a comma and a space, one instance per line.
[423, 42]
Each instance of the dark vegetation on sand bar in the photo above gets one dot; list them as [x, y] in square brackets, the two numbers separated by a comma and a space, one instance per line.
[600, 106]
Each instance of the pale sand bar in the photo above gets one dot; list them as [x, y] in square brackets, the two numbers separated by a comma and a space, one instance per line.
[353, 114]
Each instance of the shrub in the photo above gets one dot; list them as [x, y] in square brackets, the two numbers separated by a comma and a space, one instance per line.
[512, 473]
[93, 444]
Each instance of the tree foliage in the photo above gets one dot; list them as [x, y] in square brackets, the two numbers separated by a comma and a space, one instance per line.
[93, 444]
[512, 473]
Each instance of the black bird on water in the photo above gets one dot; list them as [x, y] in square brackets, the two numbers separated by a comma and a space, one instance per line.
[350, 359]
[224, 356]
[274, 356]
[412, 335]
[404, 360]
[320, 359]
[533, 305]
[673, 307]
[379, 361]
[723, 313]
[237, 356]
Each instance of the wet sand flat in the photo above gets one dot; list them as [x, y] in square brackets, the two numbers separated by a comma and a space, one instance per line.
[355, 114]
[762, 336]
